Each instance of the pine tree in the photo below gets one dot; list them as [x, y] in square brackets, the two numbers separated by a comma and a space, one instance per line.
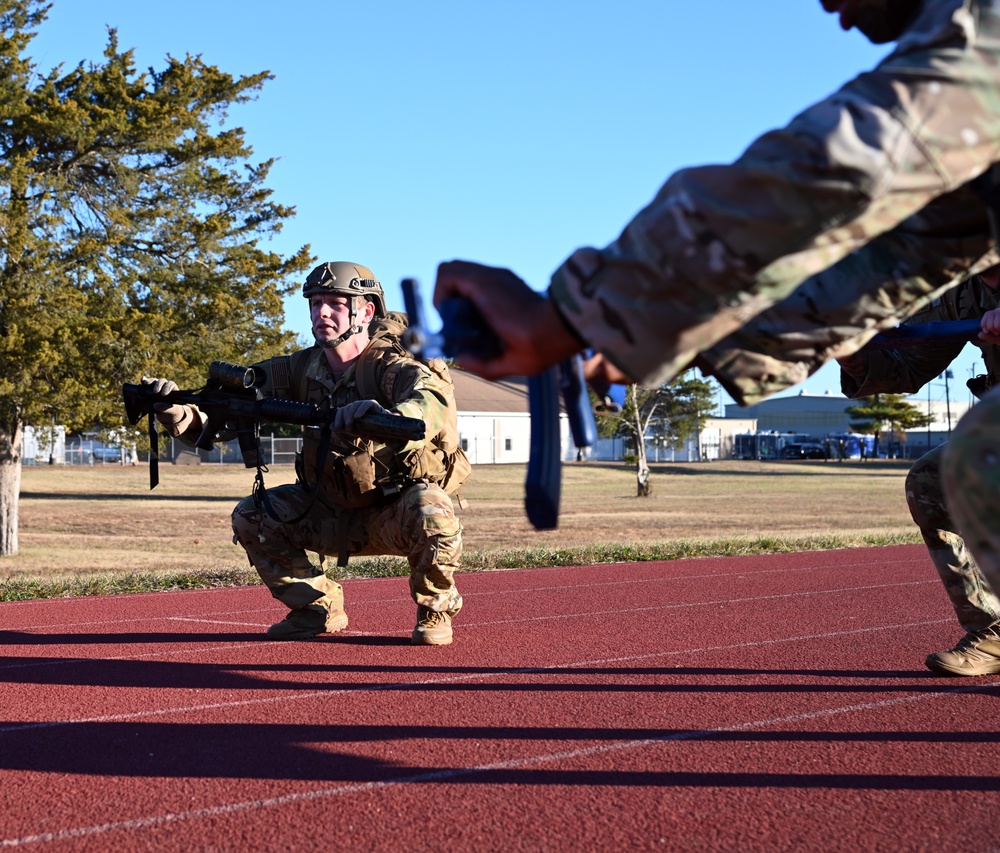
[131, 221]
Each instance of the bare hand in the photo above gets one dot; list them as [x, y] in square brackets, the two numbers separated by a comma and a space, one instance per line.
[989, 327]
[601, 373]
[533, 335]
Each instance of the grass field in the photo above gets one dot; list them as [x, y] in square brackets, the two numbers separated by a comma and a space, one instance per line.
[100, 529]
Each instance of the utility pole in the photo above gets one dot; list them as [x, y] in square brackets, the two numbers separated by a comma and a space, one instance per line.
[947, 400]
[928, 417]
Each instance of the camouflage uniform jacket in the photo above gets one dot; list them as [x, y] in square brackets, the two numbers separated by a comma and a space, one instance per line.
[355, 472]
[905, 370]
[718, 245]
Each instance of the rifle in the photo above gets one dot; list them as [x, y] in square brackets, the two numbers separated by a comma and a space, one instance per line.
[232, 402]
[464, 330]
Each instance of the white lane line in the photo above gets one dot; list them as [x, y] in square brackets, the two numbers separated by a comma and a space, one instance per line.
[198, 621]
[155, 654]
[479, 594]
[468, 625]
[451, 774]
[35, 629]
[709, 603]
[455, 679]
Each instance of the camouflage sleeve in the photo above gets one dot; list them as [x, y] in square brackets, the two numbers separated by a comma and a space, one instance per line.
[836, 312]
[905, 370]
[899, 371]
[417, 393]
[720, 244]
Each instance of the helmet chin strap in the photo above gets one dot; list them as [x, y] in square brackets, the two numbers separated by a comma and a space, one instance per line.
[336, 342]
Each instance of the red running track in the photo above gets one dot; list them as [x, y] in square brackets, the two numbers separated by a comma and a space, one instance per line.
[752, 703]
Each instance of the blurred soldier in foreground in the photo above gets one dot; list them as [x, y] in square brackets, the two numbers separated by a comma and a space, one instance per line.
[892, 168]
[865, 208]
[353, 495]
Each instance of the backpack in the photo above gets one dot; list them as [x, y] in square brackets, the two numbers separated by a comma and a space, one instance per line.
[385, 341]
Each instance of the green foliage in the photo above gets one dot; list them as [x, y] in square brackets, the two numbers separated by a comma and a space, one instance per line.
[689, 402]
[673, 412]
[874, 414]
[132, 219]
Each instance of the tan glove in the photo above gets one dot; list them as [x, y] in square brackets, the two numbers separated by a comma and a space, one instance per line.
[346, 417]
[176, 417]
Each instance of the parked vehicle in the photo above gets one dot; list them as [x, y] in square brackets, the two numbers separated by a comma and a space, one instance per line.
[107, 452]
[803, 451]
[86, 451]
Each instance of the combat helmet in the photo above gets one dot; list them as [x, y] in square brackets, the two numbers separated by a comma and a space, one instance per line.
[344, 278]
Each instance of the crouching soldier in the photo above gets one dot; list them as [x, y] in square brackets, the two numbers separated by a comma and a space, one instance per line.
[353, 494]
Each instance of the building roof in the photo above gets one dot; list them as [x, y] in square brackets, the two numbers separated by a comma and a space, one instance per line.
[792, 403]
[475, 394]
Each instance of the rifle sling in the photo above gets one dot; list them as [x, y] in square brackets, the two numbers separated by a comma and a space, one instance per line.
[154, 452]
[260, 492]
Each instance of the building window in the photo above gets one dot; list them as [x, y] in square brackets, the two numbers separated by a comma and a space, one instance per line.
[465, 445]
[508, 444]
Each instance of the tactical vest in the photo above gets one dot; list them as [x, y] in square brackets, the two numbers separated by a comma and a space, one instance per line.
[360, 474]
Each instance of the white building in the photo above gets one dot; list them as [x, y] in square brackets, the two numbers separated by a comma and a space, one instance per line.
[43, 445]
[494, 422]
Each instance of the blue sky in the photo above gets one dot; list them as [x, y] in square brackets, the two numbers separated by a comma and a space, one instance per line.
[506, 133]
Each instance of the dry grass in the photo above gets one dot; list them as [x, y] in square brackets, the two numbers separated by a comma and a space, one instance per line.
[104, 520]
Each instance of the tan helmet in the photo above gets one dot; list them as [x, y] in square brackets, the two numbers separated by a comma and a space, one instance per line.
[346, 279]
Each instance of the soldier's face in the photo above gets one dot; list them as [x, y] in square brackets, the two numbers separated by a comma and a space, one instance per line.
[330, 315]
[880, 20]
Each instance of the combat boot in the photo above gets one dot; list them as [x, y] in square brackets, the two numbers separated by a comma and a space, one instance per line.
[433, 627]
[308, 622]
[977, 653]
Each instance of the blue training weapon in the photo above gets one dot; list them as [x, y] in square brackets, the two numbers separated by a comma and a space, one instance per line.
[916, 334]
[463, 330]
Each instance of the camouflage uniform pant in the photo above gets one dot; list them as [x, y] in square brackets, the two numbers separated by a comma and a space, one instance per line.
[970, 475]
[420, 525]
[971, 594]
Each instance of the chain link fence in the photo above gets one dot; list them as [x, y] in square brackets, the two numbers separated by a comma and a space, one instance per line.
[275, 450]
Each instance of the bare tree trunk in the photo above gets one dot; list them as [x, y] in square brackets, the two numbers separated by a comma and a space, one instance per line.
[11, 436]
[645, 487]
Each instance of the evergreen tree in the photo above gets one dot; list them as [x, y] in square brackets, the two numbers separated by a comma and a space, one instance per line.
[131, 221]
[872, 415]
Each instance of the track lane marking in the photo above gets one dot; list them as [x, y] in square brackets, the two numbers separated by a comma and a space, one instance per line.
[484, 593]
[371, 602]
[443, 776]
[456, 679]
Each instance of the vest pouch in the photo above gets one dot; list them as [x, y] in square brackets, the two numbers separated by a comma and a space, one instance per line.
[350, 482]
[425, 463]
[345, 480]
